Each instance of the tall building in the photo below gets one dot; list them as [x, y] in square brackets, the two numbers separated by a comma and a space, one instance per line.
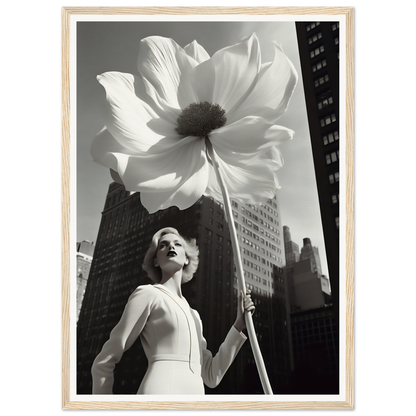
[291, 248]
[292, 256]
[318, 44]
[124, 235]
[85, 252]
[308, 292]
[314, 333]
[260, 234]
[308, 288]
[311, 253]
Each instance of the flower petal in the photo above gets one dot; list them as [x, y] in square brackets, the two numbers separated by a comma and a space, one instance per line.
[252, 183]
[183, 197]
[192, 168]
[126, 116]
[225, 77]
[243, 136]
[196, 51]
[274, 159]
[272, 91]
[162, 62]
[108, 152]
[104, 143]
[202, 79]
[171, 169]
[164, 127]
[247, 136]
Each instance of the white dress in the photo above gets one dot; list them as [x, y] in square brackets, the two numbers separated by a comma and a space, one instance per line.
[171, 335]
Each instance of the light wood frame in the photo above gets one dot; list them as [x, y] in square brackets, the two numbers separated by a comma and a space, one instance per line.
[348, 12]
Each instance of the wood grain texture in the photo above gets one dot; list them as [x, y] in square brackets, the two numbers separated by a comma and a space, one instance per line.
[349, 243]
[66, 157]
[215, 405]
[215, 10]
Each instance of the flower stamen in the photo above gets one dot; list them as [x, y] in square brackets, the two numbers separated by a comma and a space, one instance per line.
[199, 119]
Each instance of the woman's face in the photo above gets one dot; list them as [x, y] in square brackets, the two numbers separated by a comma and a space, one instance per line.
[170, 255]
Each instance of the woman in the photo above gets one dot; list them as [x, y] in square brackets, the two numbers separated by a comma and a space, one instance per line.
[170, 330]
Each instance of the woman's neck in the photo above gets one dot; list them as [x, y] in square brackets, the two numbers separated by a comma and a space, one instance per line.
[173, 282]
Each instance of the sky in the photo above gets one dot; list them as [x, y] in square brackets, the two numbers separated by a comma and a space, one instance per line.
[113, 46]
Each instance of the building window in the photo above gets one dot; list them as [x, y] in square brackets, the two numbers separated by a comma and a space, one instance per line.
[325, 99]
[317, 51]
[314, 38]
[321, 80]
[335, 26]
[335, 198]
[331, 137]
[328, 120]
[336, 41]
[334, 177]
[319, 65]
[337, 222]
[312, 26]
[332, 157]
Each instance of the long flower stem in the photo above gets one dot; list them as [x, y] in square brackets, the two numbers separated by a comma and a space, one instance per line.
[240, 274]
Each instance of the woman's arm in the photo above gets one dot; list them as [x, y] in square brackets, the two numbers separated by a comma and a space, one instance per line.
[244, 304]
[122, 337]
[214, 368]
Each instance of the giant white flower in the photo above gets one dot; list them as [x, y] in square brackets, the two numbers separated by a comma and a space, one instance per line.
[158, 122]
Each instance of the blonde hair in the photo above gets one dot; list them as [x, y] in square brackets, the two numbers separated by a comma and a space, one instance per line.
[191, 251]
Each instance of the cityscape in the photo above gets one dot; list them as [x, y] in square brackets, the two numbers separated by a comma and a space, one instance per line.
[297, 303]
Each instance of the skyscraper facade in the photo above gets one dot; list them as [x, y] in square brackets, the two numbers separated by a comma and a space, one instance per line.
[260, 235]
[319, 55]
[124, 235]
[309, 252]
[314, 333]
[262, 247]
[291, 248]
[85, 252]
[308, 288]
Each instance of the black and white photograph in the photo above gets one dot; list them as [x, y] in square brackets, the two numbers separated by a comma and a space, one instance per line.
[209, 179]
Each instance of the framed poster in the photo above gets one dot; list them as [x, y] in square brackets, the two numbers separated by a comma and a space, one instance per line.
[294, 247]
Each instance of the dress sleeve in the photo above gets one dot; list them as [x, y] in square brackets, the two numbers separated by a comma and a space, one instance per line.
[214, 368]
[122, 337]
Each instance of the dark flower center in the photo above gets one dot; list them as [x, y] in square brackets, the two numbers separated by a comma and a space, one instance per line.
[199, 119]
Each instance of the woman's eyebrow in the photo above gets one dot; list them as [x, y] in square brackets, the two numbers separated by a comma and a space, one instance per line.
[165, 241]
